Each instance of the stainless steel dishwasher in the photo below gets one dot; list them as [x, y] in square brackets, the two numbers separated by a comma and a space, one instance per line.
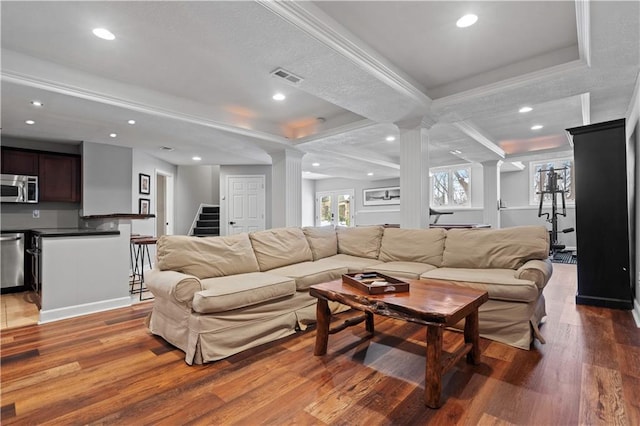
[12, 254]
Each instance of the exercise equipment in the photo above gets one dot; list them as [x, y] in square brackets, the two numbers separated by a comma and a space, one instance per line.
[549, 185]
[437, 214]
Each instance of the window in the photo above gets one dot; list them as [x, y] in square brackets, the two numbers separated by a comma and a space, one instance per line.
[451, 187]
[542, 180]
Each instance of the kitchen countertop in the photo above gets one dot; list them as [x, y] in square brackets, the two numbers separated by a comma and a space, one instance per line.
[119, 216]
[72, 232]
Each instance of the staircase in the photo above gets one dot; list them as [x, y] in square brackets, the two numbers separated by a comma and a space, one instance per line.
[207, 222]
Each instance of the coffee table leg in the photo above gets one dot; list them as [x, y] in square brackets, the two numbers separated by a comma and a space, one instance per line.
[472, 335]
[433, 371]
[369, 322]
[323, 316]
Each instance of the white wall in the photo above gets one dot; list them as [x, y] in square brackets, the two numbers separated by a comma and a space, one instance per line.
[195, 185]
[308, 202]
[146, 164]
[248, 170]
[364, 215]
[106, 179]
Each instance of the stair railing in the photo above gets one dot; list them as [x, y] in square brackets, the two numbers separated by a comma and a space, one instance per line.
[195, 219]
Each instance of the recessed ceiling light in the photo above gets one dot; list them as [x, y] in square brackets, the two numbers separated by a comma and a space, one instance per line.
[196, 158]
[37, 103]
[131, 121]
[30, 122]
[370, 174]
[456, 152]
[103, 34]
[537, 127]
[467, 20]
[315, 164]
[391, 138]
[279, 97]
[525, 109]
[113, 135]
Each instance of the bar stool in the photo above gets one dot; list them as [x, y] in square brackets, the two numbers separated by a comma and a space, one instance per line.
[140, 249]
[134, 278]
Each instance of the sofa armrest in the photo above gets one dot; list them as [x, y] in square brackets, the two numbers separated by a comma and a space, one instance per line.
[173, 285]
[538, 271]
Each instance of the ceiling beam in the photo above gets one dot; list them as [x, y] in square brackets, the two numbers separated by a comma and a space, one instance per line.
[474, 133]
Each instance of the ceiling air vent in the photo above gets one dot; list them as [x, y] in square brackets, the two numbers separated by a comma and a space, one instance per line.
[166, 148]
[286, 76]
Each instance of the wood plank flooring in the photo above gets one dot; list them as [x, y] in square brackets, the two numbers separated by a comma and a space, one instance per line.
[107, 369]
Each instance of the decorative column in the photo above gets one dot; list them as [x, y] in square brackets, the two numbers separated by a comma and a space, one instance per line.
[491, 197]
[286, 188]
[414, 175]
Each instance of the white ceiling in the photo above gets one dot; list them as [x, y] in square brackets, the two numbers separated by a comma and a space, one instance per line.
[196, 76]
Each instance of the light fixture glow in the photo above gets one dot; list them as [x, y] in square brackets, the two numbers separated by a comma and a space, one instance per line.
[315, 164]
[537, 127]
[196, 158]
[30, 122]
[131, 122]
[456, 152]
[103, 33]
[37, 103]
[279, 97]
[370, 174]
[525, 109]
[391, 138]
[467, 20]
[113, 135]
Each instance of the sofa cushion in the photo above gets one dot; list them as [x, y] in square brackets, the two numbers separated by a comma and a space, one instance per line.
[500, 248]
[501, 284]
[280, 247]
[322, 241]
[307, 274]
[413, 245]
[360, 241]
[353, 264]
[404, 270]
[238, 291]
[206, 257]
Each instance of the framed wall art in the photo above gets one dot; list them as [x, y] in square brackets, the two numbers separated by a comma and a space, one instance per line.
[144, 183]
[144, 205]
[381, 196]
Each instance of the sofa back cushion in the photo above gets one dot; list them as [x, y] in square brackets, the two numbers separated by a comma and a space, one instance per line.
[206, 257]
[280, 247]
[361, 241]
[322, 241]
[413, 245]
[500, 248]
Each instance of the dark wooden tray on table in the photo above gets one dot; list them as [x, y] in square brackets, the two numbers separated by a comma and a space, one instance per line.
[375, 283]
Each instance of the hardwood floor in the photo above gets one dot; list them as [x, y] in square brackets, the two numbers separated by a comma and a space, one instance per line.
[107, 369]
[17, 310]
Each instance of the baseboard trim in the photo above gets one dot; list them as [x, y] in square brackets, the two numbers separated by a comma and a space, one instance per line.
[636, 312]
[84, 309]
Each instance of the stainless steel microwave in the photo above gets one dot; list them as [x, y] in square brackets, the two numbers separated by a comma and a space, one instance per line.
[19, 189]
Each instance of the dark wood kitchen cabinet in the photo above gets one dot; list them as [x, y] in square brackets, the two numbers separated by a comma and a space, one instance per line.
[19, 162]
[59, 178]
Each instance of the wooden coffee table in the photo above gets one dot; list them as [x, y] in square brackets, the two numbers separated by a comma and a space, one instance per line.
[434, 303]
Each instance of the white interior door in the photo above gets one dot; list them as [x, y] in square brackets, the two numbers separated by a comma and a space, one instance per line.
[246, 204]
[164, 203]
[335, 208]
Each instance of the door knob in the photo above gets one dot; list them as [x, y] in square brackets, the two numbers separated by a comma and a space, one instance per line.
[232, 223]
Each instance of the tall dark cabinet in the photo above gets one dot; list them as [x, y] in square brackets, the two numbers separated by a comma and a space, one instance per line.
[602, 181]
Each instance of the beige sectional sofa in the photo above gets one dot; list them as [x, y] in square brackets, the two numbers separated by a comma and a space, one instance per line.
[217, 296]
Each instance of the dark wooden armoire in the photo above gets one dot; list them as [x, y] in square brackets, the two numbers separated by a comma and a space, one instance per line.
[603, 179]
